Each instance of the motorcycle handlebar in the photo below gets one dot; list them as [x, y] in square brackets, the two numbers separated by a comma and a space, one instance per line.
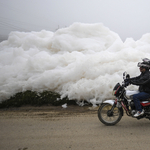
[126, 78]
[126, 83]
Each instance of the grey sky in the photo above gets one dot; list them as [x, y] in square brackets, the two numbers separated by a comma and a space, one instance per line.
[128, 18]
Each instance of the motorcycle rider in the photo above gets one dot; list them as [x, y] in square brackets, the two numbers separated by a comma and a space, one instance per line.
[143, 81]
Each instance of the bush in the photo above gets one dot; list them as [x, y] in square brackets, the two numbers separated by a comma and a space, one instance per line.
[35, 99]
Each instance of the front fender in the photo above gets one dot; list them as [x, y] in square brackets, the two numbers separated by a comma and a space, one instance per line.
[111, 102]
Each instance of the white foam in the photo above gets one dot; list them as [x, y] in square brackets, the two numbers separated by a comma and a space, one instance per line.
[64, 105]
[83, 61]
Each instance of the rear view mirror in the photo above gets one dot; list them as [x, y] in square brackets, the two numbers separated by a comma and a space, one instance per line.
[127, 76]
[124, 75]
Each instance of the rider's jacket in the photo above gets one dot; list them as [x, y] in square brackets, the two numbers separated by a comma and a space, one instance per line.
[143, 81]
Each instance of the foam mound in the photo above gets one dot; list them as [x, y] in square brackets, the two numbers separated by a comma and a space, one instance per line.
[82, 61]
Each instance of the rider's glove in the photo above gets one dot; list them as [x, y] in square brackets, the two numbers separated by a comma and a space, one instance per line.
[127, 82]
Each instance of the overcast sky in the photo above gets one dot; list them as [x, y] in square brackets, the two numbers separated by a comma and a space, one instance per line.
[128, 18]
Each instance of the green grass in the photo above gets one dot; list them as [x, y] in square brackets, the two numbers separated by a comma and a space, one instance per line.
[35, 99]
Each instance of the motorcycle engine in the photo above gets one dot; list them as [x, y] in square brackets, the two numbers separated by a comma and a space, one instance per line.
[133, 111]
[132, 105]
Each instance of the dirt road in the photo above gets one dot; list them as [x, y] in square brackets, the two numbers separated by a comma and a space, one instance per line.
[73, 128]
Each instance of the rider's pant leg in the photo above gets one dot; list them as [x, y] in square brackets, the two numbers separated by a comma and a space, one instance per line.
[138, 97]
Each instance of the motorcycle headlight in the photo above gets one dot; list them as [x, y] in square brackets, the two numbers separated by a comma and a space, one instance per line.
[113, 92]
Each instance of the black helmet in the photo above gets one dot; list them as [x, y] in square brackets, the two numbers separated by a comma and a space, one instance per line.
[145, 64]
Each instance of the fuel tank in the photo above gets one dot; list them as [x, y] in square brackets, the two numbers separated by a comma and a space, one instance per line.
[130, 93]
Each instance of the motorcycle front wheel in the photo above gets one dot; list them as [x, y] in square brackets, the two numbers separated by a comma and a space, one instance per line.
[108, 117]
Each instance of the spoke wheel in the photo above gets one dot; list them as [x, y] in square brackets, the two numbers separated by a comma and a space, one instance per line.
[108, 117]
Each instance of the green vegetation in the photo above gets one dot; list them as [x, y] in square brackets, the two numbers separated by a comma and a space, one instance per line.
[35, 99]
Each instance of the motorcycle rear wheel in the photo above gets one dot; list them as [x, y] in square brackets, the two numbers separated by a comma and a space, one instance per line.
[109, 118]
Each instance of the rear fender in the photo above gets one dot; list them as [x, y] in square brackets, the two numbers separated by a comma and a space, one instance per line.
[111, 102]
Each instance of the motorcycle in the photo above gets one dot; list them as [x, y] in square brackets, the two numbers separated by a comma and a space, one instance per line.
[110, 112]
